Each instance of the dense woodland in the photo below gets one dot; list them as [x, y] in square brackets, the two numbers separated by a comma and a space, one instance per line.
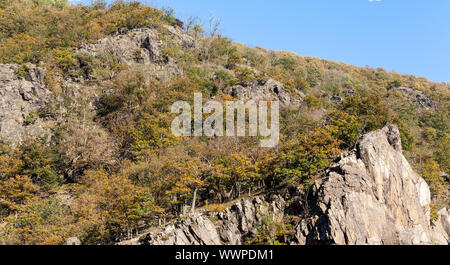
[120, 166]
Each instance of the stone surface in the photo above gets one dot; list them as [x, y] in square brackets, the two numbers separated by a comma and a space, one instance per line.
[265, 90]
[417, 97]
[230, 227]
[142, 49]
[21, 97]
[372, 195]
[195, 230]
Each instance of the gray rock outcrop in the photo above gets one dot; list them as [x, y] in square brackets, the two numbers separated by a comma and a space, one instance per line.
[265, 90]
[143, 49]
[21, 99]
[417, 97]
[229, 227]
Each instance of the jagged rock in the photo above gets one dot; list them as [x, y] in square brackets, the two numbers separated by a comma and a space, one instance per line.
[336, 98]
[231, 226]
[417, 97]
[21, 96]
[444, 220]
[348, 92]
[238, 221]
[141, 48]
[196, 230]
[265, 90]
[370, 196]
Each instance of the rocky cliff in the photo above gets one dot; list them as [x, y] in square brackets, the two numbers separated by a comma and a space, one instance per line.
[370, 196]
[22, 97]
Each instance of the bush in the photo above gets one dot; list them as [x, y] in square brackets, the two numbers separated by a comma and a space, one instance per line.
[370, 109]
[270, 232]
[224, 79]
[31, 31]
[42, 164]
[245, 75]
[344, 127]
[395, 84]
[66, 61]
[288, 64]
[430, 171]
[313, 102]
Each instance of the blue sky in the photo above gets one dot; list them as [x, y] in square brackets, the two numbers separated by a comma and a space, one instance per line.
[406, 36]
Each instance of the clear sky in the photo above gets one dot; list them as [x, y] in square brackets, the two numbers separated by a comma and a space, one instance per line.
[406, 36]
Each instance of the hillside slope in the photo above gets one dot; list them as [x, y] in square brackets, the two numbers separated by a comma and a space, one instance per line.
[87, 149]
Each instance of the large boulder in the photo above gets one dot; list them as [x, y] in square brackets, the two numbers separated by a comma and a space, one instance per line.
[372, 196]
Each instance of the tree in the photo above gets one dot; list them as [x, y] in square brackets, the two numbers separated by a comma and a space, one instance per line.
[370, 109]
[430, 171]
[300, 159]
[150, 133]
[243, 173]
[15, 192]
[344, 127]
[113, 205]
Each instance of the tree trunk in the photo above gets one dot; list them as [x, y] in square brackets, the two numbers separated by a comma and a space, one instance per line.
[193, 201]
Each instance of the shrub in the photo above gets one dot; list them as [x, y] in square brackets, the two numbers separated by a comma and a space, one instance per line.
[31, 31]
[215, 207]
[245, 74]
[14, 193]
[270, 232]
[224, 79]
[20, 48]
[31, 118]
[313, 102]
[288, 64]
[430, 171]
[111, 206]
[22, 70]
[344, 127]
[395, 84]
[66, 61]
[370, 109]
[42, 164]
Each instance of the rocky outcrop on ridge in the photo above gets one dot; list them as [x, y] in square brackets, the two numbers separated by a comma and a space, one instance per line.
[142, 48]
[264, 90]
[417, 97]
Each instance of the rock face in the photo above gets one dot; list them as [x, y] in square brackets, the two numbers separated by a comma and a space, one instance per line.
[197, 230]
[21, 99]
[141, 48]
[229, 227]
[417, 97]
[370, 196]
[264, 90]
